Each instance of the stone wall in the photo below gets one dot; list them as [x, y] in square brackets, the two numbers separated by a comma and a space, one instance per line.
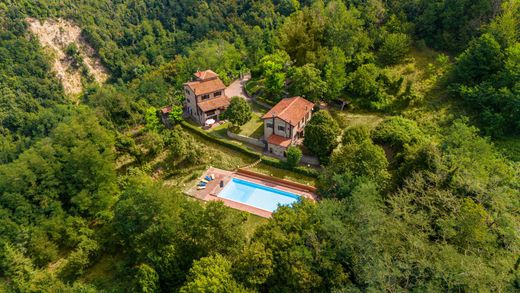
[246, 139]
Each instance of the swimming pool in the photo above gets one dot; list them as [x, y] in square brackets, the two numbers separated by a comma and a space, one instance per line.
[257, 195]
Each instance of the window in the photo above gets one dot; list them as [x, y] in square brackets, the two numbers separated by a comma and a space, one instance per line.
[281, 128]
[218, 93]
[269, 125]
[187, 91]
[205, 97]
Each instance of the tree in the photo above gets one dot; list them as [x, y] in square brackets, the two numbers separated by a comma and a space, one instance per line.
[366, 85]
[238, 112]
[152, 121]
[479, 61]
[321, 135]
[273, 68]
[306, 82]
[147, 279]
[176, 114]
[394, 49]
[397, 132]
[211, 274]
[294, 155]
[335, 74]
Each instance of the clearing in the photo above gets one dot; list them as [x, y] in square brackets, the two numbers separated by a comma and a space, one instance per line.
[56, 35]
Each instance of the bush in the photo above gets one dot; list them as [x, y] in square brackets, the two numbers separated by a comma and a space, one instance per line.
[321, 135]
[238, 112]
[394, 48]
[294, 155]
[397, 132]
[355, 135]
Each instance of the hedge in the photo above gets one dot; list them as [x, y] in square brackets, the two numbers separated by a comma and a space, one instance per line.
[265, 159]
[282, 165]
[220, 141]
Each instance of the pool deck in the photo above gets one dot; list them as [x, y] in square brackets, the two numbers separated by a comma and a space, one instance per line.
[213, 188]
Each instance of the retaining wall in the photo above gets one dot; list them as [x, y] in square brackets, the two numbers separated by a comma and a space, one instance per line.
[246, 139]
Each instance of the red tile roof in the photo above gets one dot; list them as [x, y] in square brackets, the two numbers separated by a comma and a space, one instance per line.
[215, 103]
[166, 110]
[202, 87]
[279, 140]
[206, 74]
[292, 110]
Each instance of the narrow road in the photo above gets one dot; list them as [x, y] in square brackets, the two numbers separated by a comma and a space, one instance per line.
[236, 88]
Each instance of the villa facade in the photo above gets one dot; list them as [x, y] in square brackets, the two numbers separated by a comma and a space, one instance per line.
[205, 97]
[284, 124]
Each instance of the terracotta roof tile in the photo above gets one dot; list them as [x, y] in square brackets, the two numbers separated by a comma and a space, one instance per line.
[202, 87]
[215, 103]
[166, 110]
[206, 74]
[279, 140]
[292, 110]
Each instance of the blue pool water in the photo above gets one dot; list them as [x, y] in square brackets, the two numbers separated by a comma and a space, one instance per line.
[256, 195]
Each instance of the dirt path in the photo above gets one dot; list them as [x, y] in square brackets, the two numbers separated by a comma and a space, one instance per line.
[236, 88]
[56, 35]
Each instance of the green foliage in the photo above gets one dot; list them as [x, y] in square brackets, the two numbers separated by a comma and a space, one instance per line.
[448, 25]
[147, 279]
[397, 132]
[238, 112]
[356, 134]
[351, 165]
[272, 69]
[321, 135]
[74, 54]
[176, 114]
[394, 49]
[306, 82]
[218, 55]
[152, 120]
[294, 155]
[479, 61]
[211, 274]
[487, 78]
[335, 74]
[294, 237]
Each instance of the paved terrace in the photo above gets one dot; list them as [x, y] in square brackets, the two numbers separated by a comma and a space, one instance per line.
[213, 188]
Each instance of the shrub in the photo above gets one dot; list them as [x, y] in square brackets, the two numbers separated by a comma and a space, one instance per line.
[398, 131]
[355, 135]
[294, 155]
[321, 135]
[394, 48]
[238, 112]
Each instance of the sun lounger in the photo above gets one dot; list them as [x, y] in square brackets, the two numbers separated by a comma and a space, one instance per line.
[212, 176]
[202, 184]
[208, 178]
[201, 187]
[204, 180]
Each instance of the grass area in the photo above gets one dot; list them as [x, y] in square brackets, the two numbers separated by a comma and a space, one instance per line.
[222, 157]
[252, 222]
[254, 127]
[347, 119]
[101, 274]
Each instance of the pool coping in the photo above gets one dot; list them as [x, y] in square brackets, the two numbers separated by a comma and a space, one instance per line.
[213, 188]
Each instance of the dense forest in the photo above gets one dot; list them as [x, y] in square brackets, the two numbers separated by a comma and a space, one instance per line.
[427, 199]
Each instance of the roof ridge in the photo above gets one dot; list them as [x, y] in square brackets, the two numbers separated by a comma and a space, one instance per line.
[288, 105]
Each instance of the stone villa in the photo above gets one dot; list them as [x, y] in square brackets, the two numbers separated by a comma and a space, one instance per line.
[284, 124]
[205, 97]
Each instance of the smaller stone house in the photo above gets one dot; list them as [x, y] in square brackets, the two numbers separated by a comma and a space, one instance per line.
[284, 124]
[205, 97]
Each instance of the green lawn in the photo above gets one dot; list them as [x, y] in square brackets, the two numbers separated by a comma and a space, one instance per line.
[254, 127]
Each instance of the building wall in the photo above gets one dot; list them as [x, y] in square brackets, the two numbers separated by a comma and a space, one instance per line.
[276, 149]
[191, 104]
